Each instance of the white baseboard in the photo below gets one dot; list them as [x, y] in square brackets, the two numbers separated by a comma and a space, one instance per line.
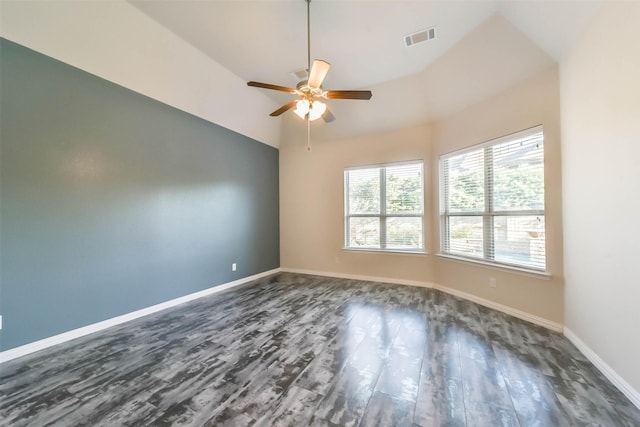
[617, 380]
[361, 277]
[531, 318]
[540, 321]
[607, 371]
[95, 327]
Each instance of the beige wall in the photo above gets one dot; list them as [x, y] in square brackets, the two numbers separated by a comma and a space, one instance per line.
[600, 88]
[312, 206]
[531, 103]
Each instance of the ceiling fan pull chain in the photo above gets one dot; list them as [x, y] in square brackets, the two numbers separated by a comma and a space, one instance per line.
[308, 133]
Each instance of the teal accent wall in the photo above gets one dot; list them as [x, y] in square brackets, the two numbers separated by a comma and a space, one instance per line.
[112, 202]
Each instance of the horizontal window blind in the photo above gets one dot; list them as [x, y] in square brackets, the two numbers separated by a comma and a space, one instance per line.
[364, 194]
[492, 201]
[384, 207]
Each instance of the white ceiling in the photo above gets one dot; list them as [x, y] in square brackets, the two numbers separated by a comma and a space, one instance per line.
[481, 49]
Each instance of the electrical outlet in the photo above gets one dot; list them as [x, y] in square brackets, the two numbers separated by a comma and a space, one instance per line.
[492, 282]
[233, 267]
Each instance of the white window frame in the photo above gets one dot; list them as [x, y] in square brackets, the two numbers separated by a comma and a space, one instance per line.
[488, 214]
[382, 215]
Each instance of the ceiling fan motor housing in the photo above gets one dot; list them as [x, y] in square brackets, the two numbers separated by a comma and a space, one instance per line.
[307, 91]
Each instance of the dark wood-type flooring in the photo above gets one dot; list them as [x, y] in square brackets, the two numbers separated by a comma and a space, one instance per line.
[297, 350]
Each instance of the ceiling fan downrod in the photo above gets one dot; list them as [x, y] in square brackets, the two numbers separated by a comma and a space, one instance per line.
[308, 37]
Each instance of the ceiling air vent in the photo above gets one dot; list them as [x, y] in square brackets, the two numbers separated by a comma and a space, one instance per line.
[420, 36]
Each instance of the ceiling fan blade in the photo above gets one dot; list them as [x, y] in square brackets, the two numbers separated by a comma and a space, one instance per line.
[348, 94]
[318, 72]
[284, 108]
[328, 117]
[270, 86]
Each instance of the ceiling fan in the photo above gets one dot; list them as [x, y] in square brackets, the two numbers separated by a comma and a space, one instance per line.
[309, 106]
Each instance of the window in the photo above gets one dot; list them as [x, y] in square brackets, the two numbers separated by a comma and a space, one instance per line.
[492, 201]
[384, 207]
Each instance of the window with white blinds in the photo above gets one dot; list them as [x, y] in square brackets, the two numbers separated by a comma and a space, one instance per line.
[384, 207]
[492, 201]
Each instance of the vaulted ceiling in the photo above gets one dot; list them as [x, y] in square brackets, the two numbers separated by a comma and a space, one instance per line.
[481, 48]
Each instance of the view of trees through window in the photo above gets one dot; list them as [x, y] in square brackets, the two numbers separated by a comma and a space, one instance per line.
[385, 207]
[493, 201]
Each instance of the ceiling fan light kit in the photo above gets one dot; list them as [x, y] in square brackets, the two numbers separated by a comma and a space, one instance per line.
[310, 106]
[315, 110]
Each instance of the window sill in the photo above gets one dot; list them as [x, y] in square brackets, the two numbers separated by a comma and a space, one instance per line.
[386, 251]
[504, 267]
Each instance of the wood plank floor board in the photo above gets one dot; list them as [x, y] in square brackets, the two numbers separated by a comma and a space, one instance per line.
[440, 402]
[385, 410]
[294, 350]
[533, 398]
